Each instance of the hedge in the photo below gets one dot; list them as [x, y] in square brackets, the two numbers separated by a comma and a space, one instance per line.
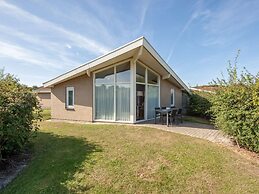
[19, 113]
[199, 104]
[235, 107]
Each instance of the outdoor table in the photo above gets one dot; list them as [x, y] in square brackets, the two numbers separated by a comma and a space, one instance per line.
[165, 111]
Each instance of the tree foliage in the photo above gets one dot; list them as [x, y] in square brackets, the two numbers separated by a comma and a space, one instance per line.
[199, 104]
[19, 113]
[235, 106]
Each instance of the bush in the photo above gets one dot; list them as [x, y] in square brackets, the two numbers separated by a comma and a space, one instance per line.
[19, 113]
[199, 104]
[235, 107]
[46, 114]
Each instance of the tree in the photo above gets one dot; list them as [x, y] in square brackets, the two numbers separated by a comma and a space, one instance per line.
[19, 113]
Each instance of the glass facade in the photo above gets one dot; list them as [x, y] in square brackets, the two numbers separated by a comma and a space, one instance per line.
[123, 92]
[104, 94]
[140, 73]
[147, 92]
[112, 93]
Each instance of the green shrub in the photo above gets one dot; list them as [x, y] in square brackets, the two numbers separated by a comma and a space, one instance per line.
[199, 104]
[235, 107]
[46, 114]
[19, 113]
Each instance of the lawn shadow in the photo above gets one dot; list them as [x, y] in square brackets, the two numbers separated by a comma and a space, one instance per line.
[55, 160]
[185, 124]
[195, 125]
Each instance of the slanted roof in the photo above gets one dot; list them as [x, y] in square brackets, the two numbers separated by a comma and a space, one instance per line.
[43, 90]
[126, 51]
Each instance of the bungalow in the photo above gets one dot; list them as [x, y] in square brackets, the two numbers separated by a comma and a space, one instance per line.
[124, 85]
[43, 95]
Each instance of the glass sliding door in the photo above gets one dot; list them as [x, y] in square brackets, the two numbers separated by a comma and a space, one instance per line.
[140, 92]
[152, 93]
[140, 102]
[152, 101]
[147, 92]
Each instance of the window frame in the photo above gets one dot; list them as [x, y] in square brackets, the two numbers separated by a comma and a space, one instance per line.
[172, 93]
[115, 84]
[68, 89]
[147, 68]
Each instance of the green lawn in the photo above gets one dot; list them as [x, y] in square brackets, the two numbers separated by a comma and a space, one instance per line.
[194, 119]
[74, 158]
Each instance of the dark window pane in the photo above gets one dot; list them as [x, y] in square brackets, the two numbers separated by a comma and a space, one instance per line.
[172, 99]
[105, 76]
[140, 73]
[123, 72]
[70, 98]
[152, 78]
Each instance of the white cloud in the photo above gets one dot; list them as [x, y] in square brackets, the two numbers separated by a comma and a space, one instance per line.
[198, 13]
[68, 46]
[14, 52]
[77, 39]
[229, 20]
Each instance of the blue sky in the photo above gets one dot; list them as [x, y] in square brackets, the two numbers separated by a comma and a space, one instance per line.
[40, 39]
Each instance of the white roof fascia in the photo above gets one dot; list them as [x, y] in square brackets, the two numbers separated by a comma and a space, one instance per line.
[119, 51]
[123, 49]
[148, 46]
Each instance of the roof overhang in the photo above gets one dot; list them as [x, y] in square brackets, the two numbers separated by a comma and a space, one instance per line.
[148, 56]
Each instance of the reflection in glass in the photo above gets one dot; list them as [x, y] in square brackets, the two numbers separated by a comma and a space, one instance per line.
[140, 73]
[152, 78]
[123, 73]
[105, 76]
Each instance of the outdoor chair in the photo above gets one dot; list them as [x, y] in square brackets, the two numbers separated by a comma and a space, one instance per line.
[157, 114]
[172, 116]
[179, 115]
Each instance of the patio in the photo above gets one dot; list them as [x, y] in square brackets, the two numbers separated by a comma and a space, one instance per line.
[202, 131]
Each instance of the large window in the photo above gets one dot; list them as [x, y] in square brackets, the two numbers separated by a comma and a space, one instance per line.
[123, 92]
[104, 94]
[70, 97]
[140, 74]
[172, 97]
[152, 100]
[147, 93]
[153, 94]
[112, 93]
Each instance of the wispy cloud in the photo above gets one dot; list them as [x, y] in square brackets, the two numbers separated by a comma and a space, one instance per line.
[75, 38]
[30, 57]
[143, 10]
[228, 21]
[40, 43]
[198, 12]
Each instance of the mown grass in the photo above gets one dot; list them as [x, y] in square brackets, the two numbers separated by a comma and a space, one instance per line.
[194, 119]
[74, 158]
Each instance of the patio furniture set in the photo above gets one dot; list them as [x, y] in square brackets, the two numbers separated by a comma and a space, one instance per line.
[171, 114]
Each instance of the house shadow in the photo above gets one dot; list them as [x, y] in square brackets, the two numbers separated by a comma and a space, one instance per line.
[55, 160]
[194, 125]
[184, 124]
